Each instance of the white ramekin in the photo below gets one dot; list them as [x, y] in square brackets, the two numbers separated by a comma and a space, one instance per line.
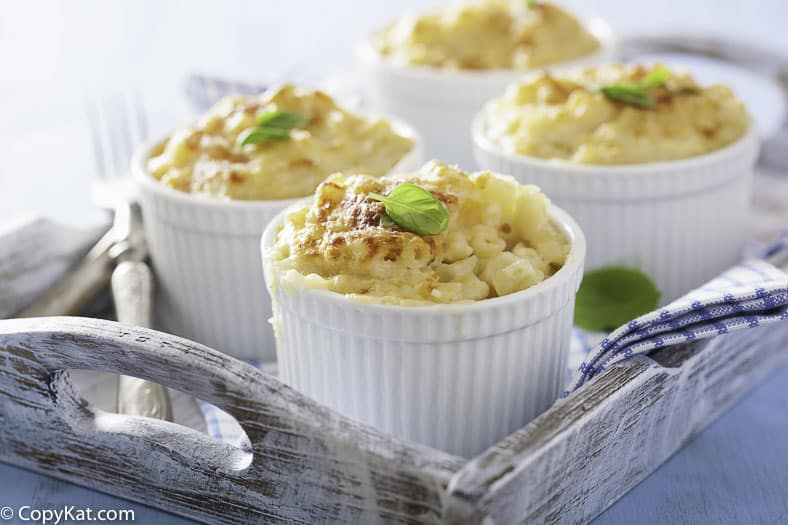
[455, 377]
[441, 103]
[206, 255]
[681, 222]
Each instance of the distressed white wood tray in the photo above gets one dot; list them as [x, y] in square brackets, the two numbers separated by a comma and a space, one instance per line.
[310, 464]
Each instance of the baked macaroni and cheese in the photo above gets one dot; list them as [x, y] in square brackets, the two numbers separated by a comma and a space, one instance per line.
[498, 239]
[278, 145]
[486, 34]
[616, 114]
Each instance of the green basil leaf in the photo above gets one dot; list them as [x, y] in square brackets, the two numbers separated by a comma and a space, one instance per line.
[282, 119]
[656, 78]
[532, 4]
[273, 125]
[415, 209]
[632, 95]
[261, 135]
[611, 296]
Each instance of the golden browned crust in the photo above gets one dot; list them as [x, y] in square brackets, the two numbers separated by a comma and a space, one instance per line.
[207, 159]
[499, 239]
[487, 34]
[566, 116]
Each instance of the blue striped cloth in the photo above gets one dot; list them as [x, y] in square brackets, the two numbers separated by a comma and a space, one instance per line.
[203, 92]
[752, 294]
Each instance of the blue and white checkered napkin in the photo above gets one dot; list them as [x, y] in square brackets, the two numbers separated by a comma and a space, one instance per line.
[752, 294]
[749, 295]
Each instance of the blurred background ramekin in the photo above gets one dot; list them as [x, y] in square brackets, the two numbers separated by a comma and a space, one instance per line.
[681, 222]
[441, 103]
[206, 255]
[455, 377]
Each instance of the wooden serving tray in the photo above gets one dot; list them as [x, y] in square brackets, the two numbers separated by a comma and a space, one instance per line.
[310, 464]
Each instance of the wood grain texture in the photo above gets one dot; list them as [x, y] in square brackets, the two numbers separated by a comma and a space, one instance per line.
[308, 461]
[312, 464]
[578, 458]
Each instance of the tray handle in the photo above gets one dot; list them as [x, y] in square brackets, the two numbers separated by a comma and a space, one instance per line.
[48, 427]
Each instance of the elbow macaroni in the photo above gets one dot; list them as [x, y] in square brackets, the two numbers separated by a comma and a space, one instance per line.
[487, 34]
[566, 117]
[499, 240]
[206, 158]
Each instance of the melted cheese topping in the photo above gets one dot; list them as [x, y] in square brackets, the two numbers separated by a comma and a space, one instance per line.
[486, 34]
[499, 241]
[206, 158]
[566, 117]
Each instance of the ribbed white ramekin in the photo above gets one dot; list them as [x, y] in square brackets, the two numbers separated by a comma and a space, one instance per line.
[206, 255]
[681, 222]
[455, 377]
[441, 103]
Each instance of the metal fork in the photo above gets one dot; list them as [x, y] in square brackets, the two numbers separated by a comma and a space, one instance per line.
[117, 125]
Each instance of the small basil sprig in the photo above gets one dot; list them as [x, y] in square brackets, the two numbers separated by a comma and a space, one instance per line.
[414, 209]
[636, 95]
[611, 296]
[656, 78]
[273, 125]
[282, 120]
[632, 95]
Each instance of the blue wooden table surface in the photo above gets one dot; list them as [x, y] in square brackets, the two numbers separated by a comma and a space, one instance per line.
[736, 471]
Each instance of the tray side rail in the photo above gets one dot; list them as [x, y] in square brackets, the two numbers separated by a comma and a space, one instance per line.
[308, 463]
[579, 457]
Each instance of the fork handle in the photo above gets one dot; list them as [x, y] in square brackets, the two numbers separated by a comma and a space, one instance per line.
[132, 291]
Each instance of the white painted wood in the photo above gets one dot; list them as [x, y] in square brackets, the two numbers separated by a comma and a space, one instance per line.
[309, 463]
[578, 458]
[312, 464]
